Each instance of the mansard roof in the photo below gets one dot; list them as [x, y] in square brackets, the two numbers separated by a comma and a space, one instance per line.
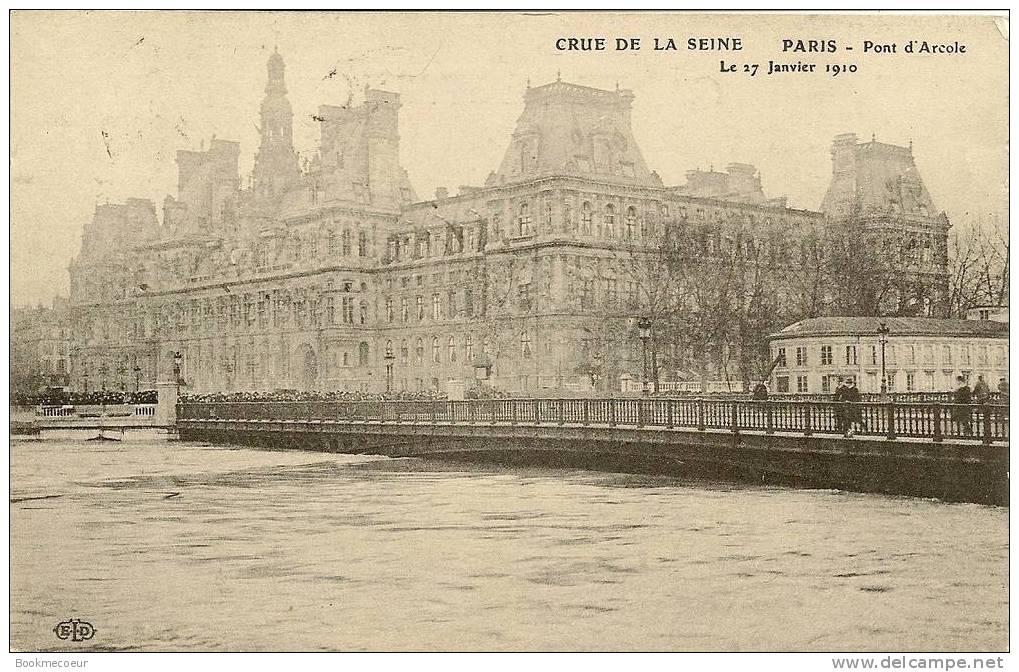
[569, 129]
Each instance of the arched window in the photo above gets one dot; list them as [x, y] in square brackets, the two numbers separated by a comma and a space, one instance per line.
[403, 309]
[362, 244]
[469, 348]
[436, 352]
[609, 220]
[403, 351]
[419, 351]
[363, 312]
[389, 309]
[585, 218]
[436, 306]
[524, 220]
[631, 222]
[346, 242]
[451, 347]
[389, 348]
[525, 345]
[420, 303]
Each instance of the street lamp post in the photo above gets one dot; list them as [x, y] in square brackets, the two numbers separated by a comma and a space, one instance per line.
[137, 378]
[84, 377]
[596, 376]
[389, 357]
[102, 377]
[882, 333]
[644, 334]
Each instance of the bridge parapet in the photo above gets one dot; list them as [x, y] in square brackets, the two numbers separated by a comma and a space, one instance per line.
[938, 422]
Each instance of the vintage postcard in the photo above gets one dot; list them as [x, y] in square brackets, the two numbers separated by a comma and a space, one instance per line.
[510, 331]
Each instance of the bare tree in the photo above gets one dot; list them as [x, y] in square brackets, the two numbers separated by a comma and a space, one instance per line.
[979, 265]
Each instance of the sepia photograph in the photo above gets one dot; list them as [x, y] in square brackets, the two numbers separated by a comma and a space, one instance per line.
[510, 331]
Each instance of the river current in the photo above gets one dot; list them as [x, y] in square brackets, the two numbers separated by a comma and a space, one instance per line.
[176, 546]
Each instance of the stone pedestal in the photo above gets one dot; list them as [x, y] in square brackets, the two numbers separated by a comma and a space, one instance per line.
[166, 403]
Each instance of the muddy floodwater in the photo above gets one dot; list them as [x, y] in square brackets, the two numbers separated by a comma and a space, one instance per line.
[173, 546]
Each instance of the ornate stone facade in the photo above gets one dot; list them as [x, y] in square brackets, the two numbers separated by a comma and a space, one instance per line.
[330, 274]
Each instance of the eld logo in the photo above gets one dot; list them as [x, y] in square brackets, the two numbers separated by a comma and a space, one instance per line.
[75, 630]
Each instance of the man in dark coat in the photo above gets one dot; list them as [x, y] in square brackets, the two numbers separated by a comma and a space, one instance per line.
[760, 392]
[961, 411]
[840, 407]
[981, 391]
[854, 414]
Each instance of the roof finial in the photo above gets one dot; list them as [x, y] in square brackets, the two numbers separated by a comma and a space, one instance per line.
[872, 137]
[911, 144]
[528, 82]
[558, 75]
[617, 86]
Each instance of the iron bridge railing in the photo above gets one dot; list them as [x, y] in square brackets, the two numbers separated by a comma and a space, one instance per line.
[936, 421]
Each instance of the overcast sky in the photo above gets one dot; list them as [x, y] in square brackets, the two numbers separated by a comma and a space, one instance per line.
[101, 101]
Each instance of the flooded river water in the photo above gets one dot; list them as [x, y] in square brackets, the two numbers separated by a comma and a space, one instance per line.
[175, 546]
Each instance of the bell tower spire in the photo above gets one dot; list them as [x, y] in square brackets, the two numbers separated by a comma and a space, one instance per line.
[276, 162]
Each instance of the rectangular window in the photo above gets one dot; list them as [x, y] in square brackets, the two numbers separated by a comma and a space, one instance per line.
[420, 303]
[891, 381]
[826, 383]
[403, 309]
[801, 384]
[782, 384]
[982, 355]
[946, 354]
[348, 310]
[782, 362]
[330, 310]
[851, 355]
[631, 294]
[874, 355]
[826, 357]
[928, 354]
[610, 291]
[801, 356]
[910, 381]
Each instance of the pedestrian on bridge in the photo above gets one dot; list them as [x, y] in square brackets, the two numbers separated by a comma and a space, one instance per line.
[841, 421]
[961, 411]
[854, 414]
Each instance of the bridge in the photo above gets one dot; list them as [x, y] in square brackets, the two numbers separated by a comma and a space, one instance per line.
[927, 449]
